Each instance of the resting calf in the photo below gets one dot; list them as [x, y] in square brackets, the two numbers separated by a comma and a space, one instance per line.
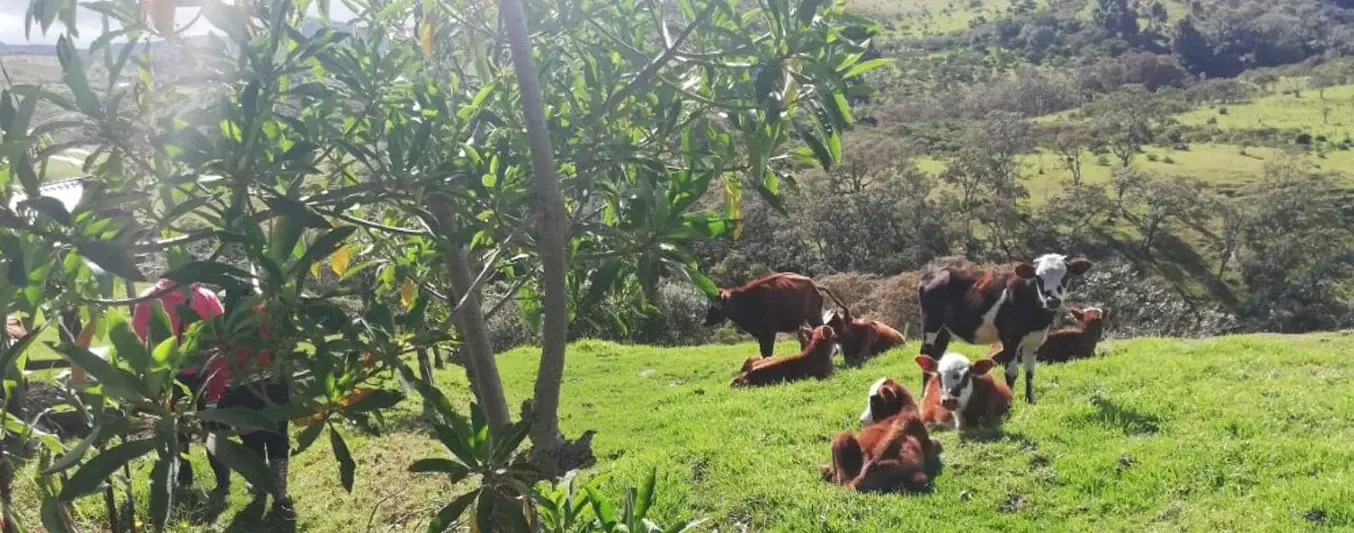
[1075, 342]
[960, 395]
[815, 361]
[893, 451]
[860, 338]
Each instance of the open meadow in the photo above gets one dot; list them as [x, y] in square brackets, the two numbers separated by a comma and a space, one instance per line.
[1236, 433]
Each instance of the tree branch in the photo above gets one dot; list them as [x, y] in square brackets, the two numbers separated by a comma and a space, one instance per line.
[647, 74]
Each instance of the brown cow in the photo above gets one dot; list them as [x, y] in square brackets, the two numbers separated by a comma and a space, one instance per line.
[860, 338]
[815, 361]
[774, 304]
[893, 450]
[960, 395]
[1075, 342]
[1013, 306]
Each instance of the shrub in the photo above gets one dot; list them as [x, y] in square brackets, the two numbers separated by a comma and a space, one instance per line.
[1168, 160]
[1146, 305]
[1153, 157]
[1103, 161]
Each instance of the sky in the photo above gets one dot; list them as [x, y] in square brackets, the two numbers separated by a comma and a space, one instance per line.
[89, 23]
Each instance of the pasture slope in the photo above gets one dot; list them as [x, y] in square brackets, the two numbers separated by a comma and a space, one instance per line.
[1244, 433]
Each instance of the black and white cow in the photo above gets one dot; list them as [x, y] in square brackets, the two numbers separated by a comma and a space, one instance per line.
[1012, 305]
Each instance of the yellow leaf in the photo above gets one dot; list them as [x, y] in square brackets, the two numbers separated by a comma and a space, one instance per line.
[736, 202]
[407, 293]
[425, 38]
[339, 260]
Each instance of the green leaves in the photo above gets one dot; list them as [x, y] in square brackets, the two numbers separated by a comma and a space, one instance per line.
[245, 461]
[92, 474]
[73, 71]
[112, 378]
[112, 257]
[128, 345]
[347, 467]
[239, 417]
[447, 515]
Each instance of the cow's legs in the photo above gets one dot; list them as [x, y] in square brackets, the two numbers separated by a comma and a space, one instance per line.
[1010, 351]
[934, 344]
[1027, 359]
[768, 344]
[1029, 350]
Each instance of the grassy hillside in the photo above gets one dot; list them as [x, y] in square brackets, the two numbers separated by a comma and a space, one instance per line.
[1231, 434]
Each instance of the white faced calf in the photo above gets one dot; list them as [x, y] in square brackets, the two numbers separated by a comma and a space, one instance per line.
[960, 394]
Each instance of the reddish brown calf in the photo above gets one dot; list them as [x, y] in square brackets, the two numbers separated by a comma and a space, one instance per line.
[1076, 342]
[960, 395]
[860, 338]
[774, 304]
[892, 452]
[814, 362]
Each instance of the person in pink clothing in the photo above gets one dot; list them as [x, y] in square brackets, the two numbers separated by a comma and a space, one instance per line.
[214, 381]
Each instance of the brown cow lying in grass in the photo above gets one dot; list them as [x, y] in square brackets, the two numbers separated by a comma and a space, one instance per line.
[1075, 342]
[892, 452]
[961, 395]
[860, 338]
[814, 362]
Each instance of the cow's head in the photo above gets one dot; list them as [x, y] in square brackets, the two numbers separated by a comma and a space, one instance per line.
[1051, 273]
[718, 311]
[956, 377]
[1088, 315]
[887, 398]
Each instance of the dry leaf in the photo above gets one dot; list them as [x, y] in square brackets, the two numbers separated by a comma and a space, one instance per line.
[339, 260]
[407, 293]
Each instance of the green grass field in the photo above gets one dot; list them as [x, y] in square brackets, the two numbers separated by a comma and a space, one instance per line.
[1240, 433]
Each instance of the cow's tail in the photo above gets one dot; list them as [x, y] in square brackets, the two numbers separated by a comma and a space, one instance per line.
[828, 292]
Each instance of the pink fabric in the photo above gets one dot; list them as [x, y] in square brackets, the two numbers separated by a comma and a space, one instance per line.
[207, 305]
[204, 303]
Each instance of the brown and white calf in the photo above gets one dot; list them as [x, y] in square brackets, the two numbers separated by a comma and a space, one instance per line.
[961, 395]
[1011, 305]
[860, 338]
[779, 303]
[893, 450]
[1075, 342]
[814, 362]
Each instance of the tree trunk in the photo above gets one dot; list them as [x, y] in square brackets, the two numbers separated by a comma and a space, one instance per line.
[425, 366]
[480, 367]
[551, 228]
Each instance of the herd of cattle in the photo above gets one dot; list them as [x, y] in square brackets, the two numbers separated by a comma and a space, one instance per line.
[1011, 308]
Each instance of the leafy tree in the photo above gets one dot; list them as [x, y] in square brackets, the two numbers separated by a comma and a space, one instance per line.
[1069, 143]
[1193, 49]
[1116, 17]
[399, 143]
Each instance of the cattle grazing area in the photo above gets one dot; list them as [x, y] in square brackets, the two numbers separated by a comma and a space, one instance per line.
[1241, 433]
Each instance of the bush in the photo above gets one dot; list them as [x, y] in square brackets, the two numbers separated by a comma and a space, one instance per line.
[1146, 305]
[679, 317]
[1153, 157]
[1168, 160]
